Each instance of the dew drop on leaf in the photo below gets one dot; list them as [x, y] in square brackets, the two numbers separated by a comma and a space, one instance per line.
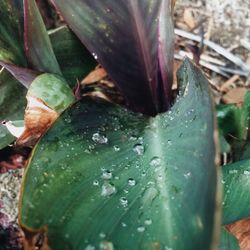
[138, 149]
[89, 247]
[102, 235]
[98, 138]
[124, 224]
[140, 229]
[148, 222]
[155, 161]
[116, 148]
[131, 182]
[108, 189]
[96, 183]
[107, 175]
[123, 201]
[95, 55]
[187, 175]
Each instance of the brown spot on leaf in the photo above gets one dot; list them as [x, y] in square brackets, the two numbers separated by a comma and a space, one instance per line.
[35, 240]
[38, 118]
[241, 230]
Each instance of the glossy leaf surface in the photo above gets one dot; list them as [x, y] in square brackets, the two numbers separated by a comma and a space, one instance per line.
[104, 176]
[228, 241]
[124, 37]
[74, 59]
[53, 90]
[236, 200]
[38, 47]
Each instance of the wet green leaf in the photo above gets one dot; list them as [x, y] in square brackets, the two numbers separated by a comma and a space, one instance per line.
[228, 241]
[53, 90]
[106, 177]
[236, 198]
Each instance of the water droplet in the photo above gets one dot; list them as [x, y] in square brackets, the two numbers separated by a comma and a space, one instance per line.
[96, 183]
[155, 162]
[140, 229]
[89, 247]
[168, 248]
[107, 175]
[116, 148]
[246, 172]
[234, 171]
[108, 189]
[133, 138]
[95, 55]
[98, 138]
[148, 222]
[138, 149]
[123, 201]
[131, 182]
[102, 235]
[187, 175]
[169, 142]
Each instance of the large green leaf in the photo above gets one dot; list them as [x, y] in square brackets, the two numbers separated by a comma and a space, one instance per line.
[236, 200]
[104, 176]
[228, 241]
[12, 104]
[38, 47]
[74, 59]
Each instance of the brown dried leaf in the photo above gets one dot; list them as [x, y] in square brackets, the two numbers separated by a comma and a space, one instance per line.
[241, 230]
[94, 76]
[189, 18]
[225, 86]
[33, 239]
[235, 96]
[98, 94]
[38, 118]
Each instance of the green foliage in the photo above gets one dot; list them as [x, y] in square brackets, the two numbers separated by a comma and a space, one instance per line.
[236, 182]
[228, 241]
[53, 90]
[105, 174]
[12, 103]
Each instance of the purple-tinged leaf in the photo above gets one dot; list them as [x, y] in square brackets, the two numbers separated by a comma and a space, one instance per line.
[166, 50]
[23, 75]
[123, 37]
[37, 44]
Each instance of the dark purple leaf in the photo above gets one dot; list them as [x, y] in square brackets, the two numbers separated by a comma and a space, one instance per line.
[23, 75]
[124, 37]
